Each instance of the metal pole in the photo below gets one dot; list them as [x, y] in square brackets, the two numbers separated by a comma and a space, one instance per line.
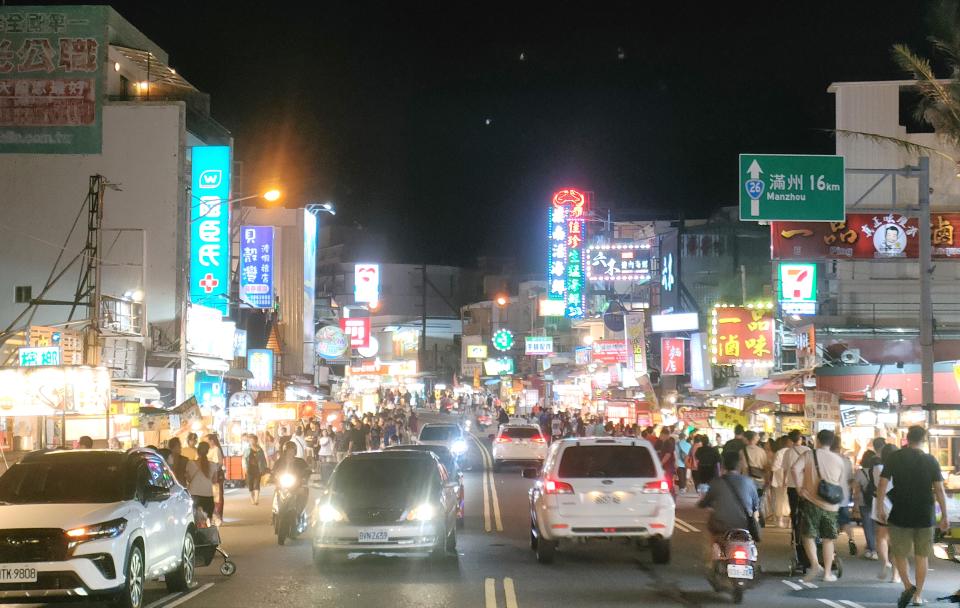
[423, 323]
[926, 278]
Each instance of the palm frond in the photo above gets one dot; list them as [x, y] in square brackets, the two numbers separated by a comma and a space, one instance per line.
[908, 146]
[937, 96]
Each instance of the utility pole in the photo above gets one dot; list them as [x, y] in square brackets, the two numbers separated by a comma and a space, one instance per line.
[926, 279]
[423, 321]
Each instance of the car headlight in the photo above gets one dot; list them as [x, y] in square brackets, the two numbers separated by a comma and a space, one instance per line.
[424, 512]
[459, 447]
[328, 514]
[287, 481]
[108, 529]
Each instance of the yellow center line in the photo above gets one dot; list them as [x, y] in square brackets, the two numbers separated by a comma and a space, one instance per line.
[490, 593]
[510, 592]
[493, 491]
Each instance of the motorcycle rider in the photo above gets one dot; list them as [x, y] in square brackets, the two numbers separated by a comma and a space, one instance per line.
[729, 497]
[289, 462]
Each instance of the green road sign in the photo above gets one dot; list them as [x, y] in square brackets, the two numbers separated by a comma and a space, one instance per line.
[797, 187]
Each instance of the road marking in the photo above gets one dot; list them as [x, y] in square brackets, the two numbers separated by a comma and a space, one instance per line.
[490, 593]
[486, 500]
[808, 585]
[851, 604]
[188, 596]
[830, 603]
[690, 527]
[510, 592]
[162, 600]
[489, 487]
[679, 525]
[792, 585]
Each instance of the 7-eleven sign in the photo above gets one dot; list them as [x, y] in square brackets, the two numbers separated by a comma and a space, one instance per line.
[798, 288]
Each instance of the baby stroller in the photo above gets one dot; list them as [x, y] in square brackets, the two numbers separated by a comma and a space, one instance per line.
[208, 544]
[799, 564]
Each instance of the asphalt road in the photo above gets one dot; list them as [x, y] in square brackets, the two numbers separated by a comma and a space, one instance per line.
[497, 569]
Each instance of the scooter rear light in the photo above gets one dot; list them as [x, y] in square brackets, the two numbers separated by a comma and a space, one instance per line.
[740, 554]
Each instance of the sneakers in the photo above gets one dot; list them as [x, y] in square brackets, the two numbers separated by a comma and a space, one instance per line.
[871, 555]
[830, 578]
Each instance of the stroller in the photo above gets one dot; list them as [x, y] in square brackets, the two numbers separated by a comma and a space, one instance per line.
[799, 564]
[208, 544]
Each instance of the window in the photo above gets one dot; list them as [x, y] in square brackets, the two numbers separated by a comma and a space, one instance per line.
[62, 482]
[520, 433]
[159, 472]
[607, 461]
[439, 433]
[23, 294]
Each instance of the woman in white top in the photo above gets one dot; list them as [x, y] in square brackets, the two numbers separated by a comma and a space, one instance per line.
[326, 446]
[778, 481]
[883, 533]
[200, 478]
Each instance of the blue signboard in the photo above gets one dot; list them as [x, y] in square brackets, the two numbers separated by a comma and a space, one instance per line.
[256, 266]
[260, 364]
[210, 228]
[210, 391]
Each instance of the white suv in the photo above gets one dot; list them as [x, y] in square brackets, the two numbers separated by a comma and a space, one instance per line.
[93, 524]
[601, 488]
[518, 443]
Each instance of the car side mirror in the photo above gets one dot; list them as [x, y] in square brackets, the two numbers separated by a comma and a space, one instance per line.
[531, 473]
[156, 493]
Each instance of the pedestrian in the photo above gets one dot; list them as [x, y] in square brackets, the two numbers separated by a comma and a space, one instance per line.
[376, 435]
[818, 469]
[753, 464]
[412, 422]
[177, 461]
[390, 432]
[844, 519]
[792, 454]
[312, 435]
[738, 442]
[911, 518]
[85, 443]
[708, 461]
[864, 491]
[778, 483]
[883, 532]
[357, 440]
[325, 446]
[301, 442]
[256, 464]
[200, 475]
[667, 450]
[216, 456]
[683, 452]
[190, 450]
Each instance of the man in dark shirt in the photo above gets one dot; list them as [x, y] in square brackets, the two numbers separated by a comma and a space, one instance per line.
[358, 439]
[916, 479]
[736, 444]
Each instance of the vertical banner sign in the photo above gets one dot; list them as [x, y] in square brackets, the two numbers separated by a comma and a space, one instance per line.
[52, 79]
[256, 266]
[309, 290]
[210, 228]
[566, 232]
[260, 364]
[366, 283]
[669, 272]
[636, 343]
[672, 357]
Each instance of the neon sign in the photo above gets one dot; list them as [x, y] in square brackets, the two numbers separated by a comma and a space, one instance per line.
[566, 235]
[210, 228]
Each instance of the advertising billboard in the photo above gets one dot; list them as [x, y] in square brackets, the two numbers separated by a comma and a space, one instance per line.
[566, 235]
[742, 334]
[366, 283]
[256, 266]
[358, 329]
[623, 262]
[210, 227]
[610, 351]
[260, 364]
[684, 321]
[538, 345]
[309, 289]
[476, 351]
[672, 357]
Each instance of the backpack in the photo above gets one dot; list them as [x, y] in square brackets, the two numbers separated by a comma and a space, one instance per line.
[870, 492]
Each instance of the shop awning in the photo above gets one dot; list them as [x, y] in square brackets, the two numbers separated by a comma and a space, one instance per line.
[209, 364]
[237, 373]
[140, 390]
[771, 389]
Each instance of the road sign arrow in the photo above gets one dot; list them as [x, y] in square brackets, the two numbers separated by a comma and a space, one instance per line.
[754, 170]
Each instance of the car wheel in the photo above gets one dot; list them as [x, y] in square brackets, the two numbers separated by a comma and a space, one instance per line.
[181, 578]
[660, 550]
[546, 549]
[131, 596]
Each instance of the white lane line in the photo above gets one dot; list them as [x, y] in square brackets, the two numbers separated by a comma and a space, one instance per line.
[830, 603]
[808, 585]
[792, 585]
[851, 604]
[490, 593]
[493, 491]
[188, 596]
[510, 592]
[160, 601]
[692, 528]
[679, 525]
[489, 482]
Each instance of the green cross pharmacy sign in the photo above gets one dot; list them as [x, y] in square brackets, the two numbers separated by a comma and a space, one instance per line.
[791, 187]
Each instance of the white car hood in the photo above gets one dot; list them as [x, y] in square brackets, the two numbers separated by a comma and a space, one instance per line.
[64, 516]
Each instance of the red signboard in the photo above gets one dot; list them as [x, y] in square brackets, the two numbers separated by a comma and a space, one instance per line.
[672, 357]
[358, 328]
[864, 236]
[742, 335]
[610, 351]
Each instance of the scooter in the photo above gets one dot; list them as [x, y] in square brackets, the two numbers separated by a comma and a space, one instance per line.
[289, 513]
[735, 566]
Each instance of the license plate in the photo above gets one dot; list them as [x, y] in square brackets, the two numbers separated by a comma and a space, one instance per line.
[373, 536]
[735, 571]
[606, 499]
[18, 573]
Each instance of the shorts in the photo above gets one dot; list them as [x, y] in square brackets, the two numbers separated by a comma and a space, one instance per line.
[816, 522]
[843, 517]
[905, 542]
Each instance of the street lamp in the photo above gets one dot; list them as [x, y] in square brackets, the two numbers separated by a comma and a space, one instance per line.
[318, 208]
[502, 300]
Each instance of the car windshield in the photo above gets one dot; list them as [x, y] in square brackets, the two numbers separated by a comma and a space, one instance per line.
[62, 482]
[521, 432]
[439, 433]
[607, 461]
[382, 482]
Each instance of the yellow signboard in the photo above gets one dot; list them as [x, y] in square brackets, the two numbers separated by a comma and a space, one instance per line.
[727, 416]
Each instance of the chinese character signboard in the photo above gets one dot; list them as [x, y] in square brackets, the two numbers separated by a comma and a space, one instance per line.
[260, 364]
[672, 357]
[498, 367]
[52, 79]
[669, 271]
[610, 351]
[566, 233]
[582, 355]
[502, 339]
[742, 334]
[635, 342]
[256, 266]
[618, 263]
[366, 283]
[539, 345]
[798, 288]
[821, 405]
[210, 228]
[730, 417]
[358, 329]
[34, 356]
[864, 236]
[791, 187]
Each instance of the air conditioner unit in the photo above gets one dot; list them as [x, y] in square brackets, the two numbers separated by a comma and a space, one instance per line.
[851, 356]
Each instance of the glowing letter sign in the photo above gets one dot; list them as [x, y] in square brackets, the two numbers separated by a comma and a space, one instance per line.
[566, 232]
[256, 266]
[210, 228]
[366, 283]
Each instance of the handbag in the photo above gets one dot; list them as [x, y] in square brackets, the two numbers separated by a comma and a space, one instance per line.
[756, 473]
[753, 526]
[830, 493]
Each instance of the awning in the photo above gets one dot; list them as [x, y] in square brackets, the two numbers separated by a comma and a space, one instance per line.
[209, 364]
[771, 389]
[237, 373]
[137, 391]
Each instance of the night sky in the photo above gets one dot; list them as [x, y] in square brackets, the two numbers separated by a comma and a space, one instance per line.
[422, 122]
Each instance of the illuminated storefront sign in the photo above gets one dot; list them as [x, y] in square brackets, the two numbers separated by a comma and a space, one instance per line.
[358, 328]
[684, 321]
[503, 339]
[672, 357]
[256, 266]
[366, 283]
[629, 262]
[498, 367]
[742, 335]
[798, 288]
[566, 232]
[331, 342]
[208, 334]
[260, 364]
[43, 391]
[538, 345]
[476, 351]
[210, 227]
[35, 356]
[635, 342]
[551, 308]
[610, 351]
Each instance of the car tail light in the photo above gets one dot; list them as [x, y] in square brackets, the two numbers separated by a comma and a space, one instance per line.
[551, 486]
[539, 439]
[660, 486]
[503, 439]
